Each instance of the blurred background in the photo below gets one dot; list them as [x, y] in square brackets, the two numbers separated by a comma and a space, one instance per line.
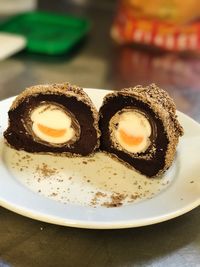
[98, 60]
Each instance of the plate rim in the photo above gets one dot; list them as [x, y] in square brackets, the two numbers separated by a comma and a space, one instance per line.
[97, 225]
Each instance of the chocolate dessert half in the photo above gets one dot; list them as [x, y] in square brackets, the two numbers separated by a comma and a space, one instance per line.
[55, 119]
[139, 127]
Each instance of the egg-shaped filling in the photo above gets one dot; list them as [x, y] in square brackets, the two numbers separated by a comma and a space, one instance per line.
[53, 124]
[131, 130]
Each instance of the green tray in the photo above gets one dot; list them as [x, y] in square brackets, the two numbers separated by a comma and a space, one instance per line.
[46, 32]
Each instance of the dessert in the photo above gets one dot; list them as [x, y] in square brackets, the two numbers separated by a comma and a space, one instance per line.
[54, 119]
[139, 127]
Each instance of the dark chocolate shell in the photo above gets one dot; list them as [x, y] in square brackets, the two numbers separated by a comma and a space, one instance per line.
[53, 119]
[139, 127]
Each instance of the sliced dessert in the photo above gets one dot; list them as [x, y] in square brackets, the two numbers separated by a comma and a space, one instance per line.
[139, 127]
[55, 119]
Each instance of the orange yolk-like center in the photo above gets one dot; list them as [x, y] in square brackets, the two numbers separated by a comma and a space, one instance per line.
[50, 131]
[130, 139]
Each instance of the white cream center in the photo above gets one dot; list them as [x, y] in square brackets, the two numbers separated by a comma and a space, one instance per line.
[133, 131]
[52, 124]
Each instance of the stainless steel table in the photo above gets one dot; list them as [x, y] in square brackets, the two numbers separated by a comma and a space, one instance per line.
[98, 63]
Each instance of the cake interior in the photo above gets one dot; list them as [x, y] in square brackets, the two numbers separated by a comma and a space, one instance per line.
[148, 158]
[52, 123]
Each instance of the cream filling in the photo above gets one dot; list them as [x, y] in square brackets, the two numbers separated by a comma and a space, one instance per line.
[51, 124]
[132, 131]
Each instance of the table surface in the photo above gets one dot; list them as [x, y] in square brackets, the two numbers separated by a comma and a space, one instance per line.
[98, 63]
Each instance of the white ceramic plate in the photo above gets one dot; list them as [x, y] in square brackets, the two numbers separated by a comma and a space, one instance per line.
[82, 192]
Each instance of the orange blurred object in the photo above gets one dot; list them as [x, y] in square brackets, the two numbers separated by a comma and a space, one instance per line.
[168, 25]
